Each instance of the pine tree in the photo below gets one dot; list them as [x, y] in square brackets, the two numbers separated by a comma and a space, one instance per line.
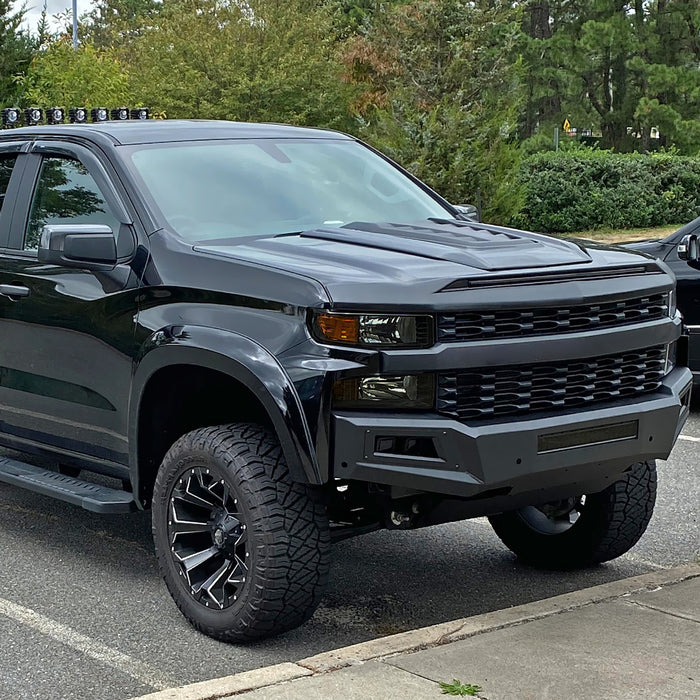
[16, 48]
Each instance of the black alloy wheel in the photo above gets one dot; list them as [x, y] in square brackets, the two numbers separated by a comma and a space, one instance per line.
[584, 530]
[208, 537]
[243, 549]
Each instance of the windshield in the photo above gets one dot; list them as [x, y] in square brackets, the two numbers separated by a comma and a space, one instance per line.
[208, 191]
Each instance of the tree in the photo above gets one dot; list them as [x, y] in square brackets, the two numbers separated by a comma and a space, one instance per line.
[86, 77]
[257, 60]
[16, 47]
[442, 94]
[113, 23]
[618, 66]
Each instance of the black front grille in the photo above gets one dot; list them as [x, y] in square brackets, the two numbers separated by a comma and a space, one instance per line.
[484, 393]
[484, 325]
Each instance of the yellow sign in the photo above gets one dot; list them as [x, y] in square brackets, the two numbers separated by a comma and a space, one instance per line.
[567, 125]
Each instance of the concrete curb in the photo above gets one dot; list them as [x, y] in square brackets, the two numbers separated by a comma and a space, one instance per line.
[423, 638]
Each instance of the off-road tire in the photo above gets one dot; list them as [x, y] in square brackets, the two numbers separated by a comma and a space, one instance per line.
[286, 524]
[610, 523]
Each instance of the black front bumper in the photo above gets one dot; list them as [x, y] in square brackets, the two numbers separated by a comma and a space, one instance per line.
[515, 462]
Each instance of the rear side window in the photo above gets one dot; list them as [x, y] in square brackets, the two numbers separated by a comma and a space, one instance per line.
[66, 193]
[7, 162]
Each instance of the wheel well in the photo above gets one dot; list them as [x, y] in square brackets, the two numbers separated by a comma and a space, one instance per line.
[180, 398]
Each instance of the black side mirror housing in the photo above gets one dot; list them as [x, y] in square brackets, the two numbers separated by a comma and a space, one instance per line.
[688, 248]
[467, 212]
[86, 246]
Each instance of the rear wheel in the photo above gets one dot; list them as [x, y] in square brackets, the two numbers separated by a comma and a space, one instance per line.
[243, 549]
[585, 530]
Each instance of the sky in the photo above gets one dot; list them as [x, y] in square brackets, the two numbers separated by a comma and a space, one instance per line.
[34, 8]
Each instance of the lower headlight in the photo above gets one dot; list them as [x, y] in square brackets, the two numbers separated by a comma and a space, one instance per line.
[416, 391]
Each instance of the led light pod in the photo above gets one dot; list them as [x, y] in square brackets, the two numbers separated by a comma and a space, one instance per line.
[55, 115]
[11, 116]
[140, 113]
[78, 115]
[120, 114]
[99, 114]
[33, 116]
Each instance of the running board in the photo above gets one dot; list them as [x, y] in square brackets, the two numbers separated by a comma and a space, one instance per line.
[99, 499]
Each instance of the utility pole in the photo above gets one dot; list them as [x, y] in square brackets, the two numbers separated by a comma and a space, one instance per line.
[75, 25]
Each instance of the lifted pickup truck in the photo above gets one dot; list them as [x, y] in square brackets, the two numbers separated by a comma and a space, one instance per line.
[273, 337]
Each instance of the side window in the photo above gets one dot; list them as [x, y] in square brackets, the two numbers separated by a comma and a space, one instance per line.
[65, 193]
[7, 162]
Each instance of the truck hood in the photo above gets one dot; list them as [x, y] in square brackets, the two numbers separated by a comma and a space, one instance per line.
[369, 263]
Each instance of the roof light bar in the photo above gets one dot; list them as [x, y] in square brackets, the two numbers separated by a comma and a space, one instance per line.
[10, 116]
[14, 116]
[78, 115]
[33, 116]
[99, 114]
[55, 115]
[120, 114]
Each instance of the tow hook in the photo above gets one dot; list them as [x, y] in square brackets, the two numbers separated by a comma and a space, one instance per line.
[400, 520]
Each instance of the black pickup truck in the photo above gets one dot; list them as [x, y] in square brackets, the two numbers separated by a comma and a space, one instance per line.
[274, 337]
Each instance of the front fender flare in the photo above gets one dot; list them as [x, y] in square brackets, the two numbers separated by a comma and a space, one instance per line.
[247, 362]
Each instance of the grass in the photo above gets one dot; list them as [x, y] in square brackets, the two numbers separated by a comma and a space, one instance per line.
[459, 688]
[608, 235]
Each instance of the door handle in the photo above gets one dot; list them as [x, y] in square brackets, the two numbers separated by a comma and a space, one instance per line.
[14, 291]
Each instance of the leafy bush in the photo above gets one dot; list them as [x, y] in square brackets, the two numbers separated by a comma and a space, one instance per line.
[568, 192]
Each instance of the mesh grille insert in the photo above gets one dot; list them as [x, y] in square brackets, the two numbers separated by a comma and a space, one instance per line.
[482, 325]
[502, 391]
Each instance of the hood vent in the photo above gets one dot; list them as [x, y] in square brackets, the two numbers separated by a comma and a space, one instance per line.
[480, 246]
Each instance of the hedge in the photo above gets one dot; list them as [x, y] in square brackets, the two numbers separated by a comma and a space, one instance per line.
[588, 189]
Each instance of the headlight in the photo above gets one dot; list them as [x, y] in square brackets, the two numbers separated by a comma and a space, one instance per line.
[374, 330]
[671, 301]
[415, 391]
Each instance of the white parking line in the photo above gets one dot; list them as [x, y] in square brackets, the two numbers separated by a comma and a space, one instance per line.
[689, 438]
[138, 670]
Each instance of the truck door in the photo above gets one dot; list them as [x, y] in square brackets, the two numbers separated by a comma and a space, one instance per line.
[66, 334]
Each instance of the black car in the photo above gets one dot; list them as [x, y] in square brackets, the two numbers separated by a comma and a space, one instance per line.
[687, 281]
[274, 337]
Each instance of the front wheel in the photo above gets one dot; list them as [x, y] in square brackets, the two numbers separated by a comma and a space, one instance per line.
[243, 549]
[586, 530]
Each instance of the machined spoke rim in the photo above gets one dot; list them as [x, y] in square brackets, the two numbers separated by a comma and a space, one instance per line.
[208, 538]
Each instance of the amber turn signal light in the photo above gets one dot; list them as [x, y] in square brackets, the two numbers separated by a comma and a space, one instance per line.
[339, 329]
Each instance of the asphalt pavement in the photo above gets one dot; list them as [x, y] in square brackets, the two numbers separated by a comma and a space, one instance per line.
[83, 612]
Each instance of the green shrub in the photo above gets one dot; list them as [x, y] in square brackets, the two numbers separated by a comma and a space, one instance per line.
[569, 192]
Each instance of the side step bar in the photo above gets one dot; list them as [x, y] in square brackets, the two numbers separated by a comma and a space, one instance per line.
[99, 499]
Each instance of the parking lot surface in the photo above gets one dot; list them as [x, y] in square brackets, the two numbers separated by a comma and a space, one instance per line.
[84, 613]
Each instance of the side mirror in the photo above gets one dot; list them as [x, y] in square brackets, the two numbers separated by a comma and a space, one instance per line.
[87, 246]
[688, 248]
[467, 212]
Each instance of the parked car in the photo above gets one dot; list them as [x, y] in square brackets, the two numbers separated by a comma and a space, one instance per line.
[274, 337]
[673, 251]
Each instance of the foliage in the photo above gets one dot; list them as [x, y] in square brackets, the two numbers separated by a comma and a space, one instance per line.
[459, 92]
[459, 688]
[616, 67]
[568, 192]
[259, 60]
[440, 94]
[87, 77]
[16, 47]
